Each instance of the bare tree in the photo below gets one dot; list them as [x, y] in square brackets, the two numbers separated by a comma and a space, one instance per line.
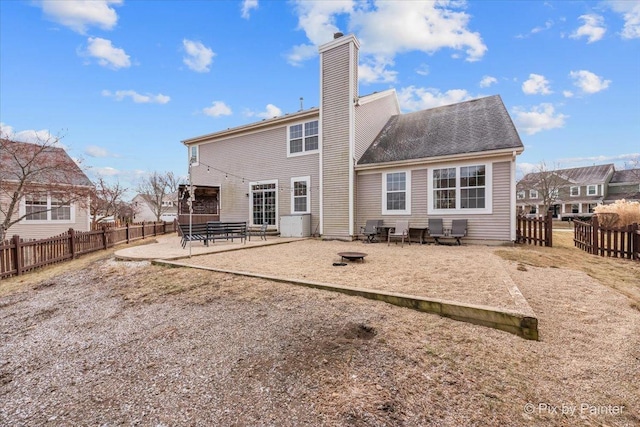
[156, 189]
[37, 170]
[546, 182]
[107, 200]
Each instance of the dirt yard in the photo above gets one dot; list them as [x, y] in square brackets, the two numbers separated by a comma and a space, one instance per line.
[109, 343]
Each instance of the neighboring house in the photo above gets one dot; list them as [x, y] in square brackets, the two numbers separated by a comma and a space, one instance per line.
[624, 184]
[579, 190]
[53, 190]
[143, 206]
[357, 158]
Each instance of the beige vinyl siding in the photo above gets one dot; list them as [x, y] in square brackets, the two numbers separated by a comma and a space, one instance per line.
[482, 227]
[258, 156]
[53, 228]
[336, 105]
[371, 118]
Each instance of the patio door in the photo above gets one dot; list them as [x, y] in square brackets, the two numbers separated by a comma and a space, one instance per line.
[264, 203]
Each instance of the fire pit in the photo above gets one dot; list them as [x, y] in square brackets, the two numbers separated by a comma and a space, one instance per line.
[352, 256]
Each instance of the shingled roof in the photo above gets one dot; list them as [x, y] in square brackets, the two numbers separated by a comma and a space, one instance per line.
[580, 176]
[51, 165]
[468, 127]
[631, 176]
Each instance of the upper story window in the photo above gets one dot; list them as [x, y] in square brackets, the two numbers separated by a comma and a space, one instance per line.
[533, 194]
[193, 154]
[302, 138]
[300, 195]
[460, 189]
[520, 195]
[574, 191]
[592, 190]
[396, 196]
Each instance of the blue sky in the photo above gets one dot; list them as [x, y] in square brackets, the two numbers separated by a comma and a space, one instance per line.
[126, 80]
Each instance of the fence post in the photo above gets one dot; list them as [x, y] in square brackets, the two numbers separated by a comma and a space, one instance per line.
[127, 233]
[635, 241]
[72, 243]
[17, 255]
[549, 229]
[594, 235]
[104, 236]
[143, 227]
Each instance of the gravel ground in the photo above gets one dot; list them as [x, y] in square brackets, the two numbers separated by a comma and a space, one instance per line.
[129, 343]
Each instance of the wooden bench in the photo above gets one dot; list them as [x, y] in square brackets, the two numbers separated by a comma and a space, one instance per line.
[194, 232]
[227, 230]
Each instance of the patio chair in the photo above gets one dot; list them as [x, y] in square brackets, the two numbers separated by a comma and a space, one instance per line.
[371, 230]
[436, 229]
[262, 232]
[400, 231]
[458, 229]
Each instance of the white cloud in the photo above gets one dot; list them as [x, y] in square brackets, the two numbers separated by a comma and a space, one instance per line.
[589, 82]
[423, 70]
[270, 112]
[537, 84]
[392, 27]
[387, 28]
[247, 5]
[106, 53]
[593, 28]
[567, 94]
[80, 14]
[136, 97]
[539, 118]
[375, 71]
[95, 151]
[547, 25]
[301, 53]
[525, 168]
[105, 171]
[33, 136]
[630, 11]
[488, 81]
[415, 98]
[199, 57]
[217, 109]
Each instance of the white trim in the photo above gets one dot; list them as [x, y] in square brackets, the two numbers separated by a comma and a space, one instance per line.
[22, 210]
[190, 156]
[304, 151]
[338, 42]
[571, 191]
[520, 193]
[307, 180]
[592, 186]
[352, 120]
[320, 157]
[277, 191]
[512, 203]
[375, 96]
[488, 193]
[531, 192]
[407, 192]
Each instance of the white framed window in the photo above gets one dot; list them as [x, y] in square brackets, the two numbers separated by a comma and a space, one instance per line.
[574, 191]
[460, 189]
[533, 210]
[46, 208]
[533, 194]
[520, 194]
[194, 155]
[575, 208]
[592, 190]
[396, 193]
[301, 195]
[553, 193]
[264, 202]
[302, 138]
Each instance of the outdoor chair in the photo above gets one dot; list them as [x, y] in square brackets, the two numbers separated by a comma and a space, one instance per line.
[458, 229]
[400, 231]
[436, 229]
[262, 232]
[371, 230]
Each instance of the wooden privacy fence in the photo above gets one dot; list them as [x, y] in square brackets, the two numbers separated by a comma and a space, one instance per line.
[535, 231]
[18, 256]
[618, 242]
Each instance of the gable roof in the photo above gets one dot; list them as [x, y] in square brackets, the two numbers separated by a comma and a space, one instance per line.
[473, 126]
[631, 176]
[580, 176]
[50, 166]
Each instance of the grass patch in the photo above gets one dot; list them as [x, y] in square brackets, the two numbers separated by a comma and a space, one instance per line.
[619, 274]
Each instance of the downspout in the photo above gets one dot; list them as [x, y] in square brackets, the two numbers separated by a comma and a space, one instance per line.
[512, 202]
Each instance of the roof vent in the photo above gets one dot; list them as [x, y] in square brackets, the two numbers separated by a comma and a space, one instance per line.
[337, 35]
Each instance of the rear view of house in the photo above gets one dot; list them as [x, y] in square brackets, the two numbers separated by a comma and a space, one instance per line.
[356, 158]
[43, 192]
